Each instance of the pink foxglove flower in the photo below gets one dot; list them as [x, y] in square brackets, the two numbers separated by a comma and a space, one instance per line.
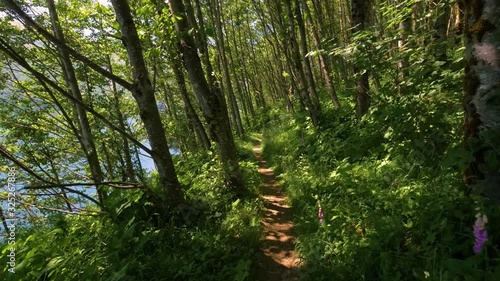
[320, 215]
[480, 233]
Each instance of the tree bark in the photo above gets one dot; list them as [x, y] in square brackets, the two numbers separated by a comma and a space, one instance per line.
[323, 63]
[199, 130]
[311, 85]
[235, 112]
[211, 101]
[362, 86]
[83, 122]
[202, 43]
[482, 96]
[244, 71]
[458, 17]
[127, 152]
[296, 61]
[404, 29]
[441, 30]
[143, 93]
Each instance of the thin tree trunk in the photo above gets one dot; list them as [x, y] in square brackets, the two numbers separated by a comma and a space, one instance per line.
[404, 29]
[109, 168]
[169, 102]
[323, 64]
[441, 30]
[202, 44]
[146, 101]
[4, 222]
[211, 102]
[244, 71]
[241, 90]
[127, 153]
[311, 85]
[233, 105]
[458, 13]
[281, 50]
[190, 112]
[58, 180]
[358, 24]
[140, 174]
[296, 61]
[83, 122]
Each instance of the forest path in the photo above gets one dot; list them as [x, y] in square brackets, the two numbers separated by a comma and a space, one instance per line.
[277, 259]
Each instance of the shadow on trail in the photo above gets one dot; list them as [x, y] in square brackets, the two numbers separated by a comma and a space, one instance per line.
[277, 259]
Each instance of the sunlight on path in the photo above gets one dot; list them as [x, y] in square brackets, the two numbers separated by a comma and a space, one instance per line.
[278, 260]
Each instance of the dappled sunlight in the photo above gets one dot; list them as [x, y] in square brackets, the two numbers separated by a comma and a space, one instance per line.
[278, 244]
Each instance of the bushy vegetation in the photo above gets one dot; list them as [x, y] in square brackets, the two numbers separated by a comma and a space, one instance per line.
[388, 151]
[395, 206]
[213, 238]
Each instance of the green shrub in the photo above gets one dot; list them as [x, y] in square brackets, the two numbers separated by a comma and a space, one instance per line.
[215, 240]
[389, 185]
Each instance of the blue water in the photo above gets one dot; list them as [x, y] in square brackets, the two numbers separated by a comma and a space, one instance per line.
[146, 162]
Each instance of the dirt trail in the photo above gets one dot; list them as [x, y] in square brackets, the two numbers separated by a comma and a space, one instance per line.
[277, 260]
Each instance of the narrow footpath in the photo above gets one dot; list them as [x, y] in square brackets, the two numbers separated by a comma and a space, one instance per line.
[277, 260]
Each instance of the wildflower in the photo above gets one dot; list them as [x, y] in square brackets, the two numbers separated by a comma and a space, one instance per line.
[480, 233]
[320, 215]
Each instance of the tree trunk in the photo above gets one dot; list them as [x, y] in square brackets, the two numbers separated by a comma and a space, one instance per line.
[244, 72]
[323, 63]
[199, 130]
[202, 44]
[441, 30]
[83, 123]
[241, 88]
[142, 91]
[311, 85]
[358, 24]
[211, 101]
[296, 61]
[235, 112]
[404, 29]
[127, 152]
[458, 17]
[482, 96]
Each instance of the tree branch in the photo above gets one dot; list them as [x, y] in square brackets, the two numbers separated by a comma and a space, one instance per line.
[8, 155]
[5, 47]
[114, 184]
[69, 190]
[11, 5]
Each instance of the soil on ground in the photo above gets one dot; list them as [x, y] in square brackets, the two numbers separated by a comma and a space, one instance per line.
[277, 259]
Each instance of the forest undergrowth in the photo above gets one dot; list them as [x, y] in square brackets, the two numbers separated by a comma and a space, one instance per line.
[378, 118]
[390, 187]
[213, 238]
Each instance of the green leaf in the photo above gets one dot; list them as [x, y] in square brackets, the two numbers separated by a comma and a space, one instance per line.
[235, 203]
[53, 263]
[123, 207]
[119, 274]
